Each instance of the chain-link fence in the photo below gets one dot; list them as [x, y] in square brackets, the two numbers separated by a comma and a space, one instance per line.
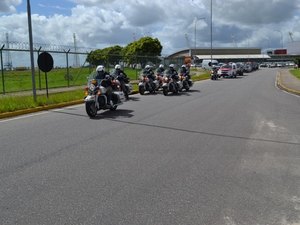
[70, 68]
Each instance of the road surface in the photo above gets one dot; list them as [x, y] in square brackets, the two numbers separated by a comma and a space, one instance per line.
[227, 152]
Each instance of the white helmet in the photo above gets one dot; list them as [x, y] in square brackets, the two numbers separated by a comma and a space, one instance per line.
[147, 67]
[117, 66]
[161, 66]
[183, 66]
[171, 65]
[100, 68]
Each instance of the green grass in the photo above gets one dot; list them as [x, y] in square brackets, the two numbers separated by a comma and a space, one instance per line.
[15, 81]
[296, 73]
[14, 103]
[10, 103]
[202, 76]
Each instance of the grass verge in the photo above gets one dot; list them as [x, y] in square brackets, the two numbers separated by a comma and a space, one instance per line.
[14, 103]
[296, 73]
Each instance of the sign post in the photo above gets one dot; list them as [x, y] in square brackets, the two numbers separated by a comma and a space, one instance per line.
[45, 63]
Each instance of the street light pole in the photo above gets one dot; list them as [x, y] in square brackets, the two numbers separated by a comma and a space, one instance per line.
[195, 32]
[31, 50]
[195, 35]
[211, 31]
[281, 37]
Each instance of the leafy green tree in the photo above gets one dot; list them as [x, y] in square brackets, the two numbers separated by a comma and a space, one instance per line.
[114, 54]
[95, 57]
[109, 55]
[142, 51]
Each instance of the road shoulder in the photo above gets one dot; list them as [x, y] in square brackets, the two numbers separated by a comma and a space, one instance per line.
[287, 82]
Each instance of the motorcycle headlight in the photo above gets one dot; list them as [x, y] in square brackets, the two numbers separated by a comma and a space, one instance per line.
[92, 87]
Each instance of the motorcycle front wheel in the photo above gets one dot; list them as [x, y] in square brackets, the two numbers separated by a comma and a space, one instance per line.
[91, 109]
[126, 95]
[186, 86]
[141, 90]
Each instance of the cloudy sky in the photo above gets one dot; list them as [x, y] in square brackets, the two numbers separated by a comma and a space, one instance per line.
[103, 23]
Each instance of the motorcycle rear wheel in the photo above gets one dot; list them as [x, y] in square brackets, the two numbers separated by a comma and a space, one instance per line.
[113, 108]
[165, 91]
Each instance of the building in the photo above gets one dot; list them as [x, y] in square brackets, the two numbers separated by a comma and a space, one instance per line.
[222, 54]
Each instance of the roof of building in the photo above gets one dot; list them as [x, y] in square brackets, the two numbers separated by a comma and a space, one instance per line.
[241, 56]
[216, 51]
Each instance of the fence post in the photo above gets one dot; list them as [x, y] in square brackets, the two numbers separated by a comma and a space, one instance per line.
[2, 69]
[136, 67]
[38, 53]
[67, 59]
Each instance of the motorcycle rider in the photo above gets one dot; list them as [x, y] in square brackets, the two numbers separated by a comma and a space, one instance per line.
[150, 74]
[106, 81]
[100, 72]
[185, 72]
[121, 76]
[160, 73]
[160, 69]
[171, 72]
[215, 72]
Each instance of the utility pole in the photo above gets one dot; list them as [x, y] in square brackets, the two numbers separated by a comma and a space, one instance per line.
[31, 50]
[188, 44]
[211, 31]
[291, 36]
[195, 31]
[76, 58]
[281, 37]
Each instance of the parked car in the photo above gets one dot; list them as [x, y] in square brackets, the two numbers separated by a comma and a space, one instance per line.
[240, 68]
[263, 65]
[228, 70]
[207, 63]
[248, 67]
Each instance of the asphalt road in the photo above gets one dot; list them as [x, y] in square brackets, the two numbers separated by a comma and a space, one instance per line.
[227, 152]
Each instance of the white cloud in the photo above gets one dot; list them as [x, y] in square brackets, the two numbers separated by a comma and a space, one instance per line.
[101, 23]
[8, 6]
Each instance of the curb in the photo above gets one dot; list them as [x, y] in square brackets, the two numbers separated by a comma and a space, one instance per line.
[283, 87]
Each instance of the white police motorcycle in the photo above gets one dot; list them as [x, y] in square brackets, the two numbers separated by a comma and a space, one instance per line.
[96, 98]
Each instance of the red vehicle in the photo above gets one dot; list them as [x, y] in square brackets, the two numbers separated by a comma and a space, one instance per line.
[227, 70]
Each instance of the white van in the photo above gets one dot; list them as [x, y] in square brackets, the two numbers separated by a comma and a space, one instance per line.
[205, 63]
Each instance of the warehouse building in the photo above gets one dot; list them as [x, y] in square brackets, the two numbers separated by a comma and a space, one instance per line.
[222, 54]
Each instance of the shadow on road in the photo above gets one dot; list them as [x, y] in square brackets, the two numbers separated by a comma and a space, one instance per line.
[113, 114]
[208, 133]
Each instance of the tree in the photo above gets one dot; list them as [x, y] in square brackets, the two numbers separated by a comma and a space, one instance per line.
[106, 56]
[142, 51]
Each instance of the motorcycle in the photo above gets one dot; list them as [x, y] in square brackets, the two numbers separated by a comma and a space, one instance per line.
[214, 75]
[185, 81]
[145, 85]
[169, 85]
[96, 98]
[124, 83]
[159, 81]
